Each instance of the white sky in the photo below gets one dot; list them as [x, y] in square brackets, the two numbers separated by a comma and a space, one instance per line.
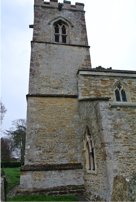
[111, 28]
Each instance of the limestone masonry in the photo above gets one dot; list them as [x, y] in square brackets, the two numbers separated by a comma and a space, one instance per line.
[81, 121]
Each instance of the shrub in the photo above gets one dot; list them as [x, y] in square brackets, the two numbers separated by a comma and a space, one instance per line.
[10, 164]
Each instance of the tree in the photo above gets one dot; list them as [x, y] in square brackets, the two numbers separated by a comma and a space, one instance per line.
[18, 134]
[6, 149]
[3, 111]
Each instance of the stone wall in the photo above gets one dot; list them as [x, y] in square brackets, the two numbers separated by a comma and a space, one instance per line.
[50, 179]
[43, 24]
[52, 131]
[113, 128]
[54, 68]
[95, 183]
[98, 84]
[2, 189]
[54, 65]
[52, 113]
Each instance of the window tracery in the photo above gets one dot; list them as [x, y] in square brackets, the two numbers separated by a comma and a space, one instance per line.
[60, 31]
[120, 93]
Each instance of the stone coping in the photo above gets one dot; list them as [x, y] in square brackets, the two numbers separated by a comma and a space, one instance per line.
[121, 104]
[94, 98]
[51, 167]
[52, 95]
[63, 44]
[105, 70]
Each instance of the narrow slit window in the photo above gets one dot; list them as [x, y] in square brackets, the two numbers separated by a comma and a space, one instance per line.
[88, 157]
[93, 164]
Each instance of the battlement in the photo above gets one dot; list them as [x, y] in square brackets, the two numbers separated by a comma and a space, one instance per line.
[65, 5]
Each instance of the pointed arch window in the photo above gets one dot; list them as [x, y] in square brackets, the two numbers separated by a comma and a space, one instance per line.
[89, 152]
[60, 31]
[120, 93]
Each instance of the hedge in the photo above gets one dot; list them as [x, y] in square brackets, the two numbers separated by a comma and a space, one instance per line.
[10, 164]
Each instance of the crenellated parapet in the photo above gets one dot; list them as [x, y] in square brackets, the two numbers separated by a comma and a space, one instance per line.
[65, 4]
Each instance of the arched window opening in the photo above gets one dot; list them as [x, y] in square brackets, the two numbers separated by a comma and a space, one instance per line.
[60, 32]
[63, 29]
[56, 29]
[123, 93]
[117, 95]
[120, 94]
[89, 152]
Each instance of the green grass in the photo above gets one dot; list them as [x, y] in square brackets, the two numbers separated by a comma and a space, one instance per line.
[43, 198]
[13, 174]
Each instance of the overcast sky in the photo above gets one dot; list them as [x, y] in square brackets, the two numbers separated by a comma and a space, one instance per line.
[111, 28]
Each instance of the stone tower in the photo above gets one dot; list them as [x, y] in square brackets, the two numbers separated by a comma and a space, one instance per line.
[81, 121]
[53, 157]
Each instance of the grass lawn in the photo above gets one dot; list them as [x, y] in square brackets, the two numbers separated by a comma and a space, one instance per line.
[13, 174]
[43, 198]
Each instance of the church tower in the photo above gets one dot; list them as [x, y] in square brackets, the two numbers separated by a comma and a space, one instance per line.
[53, 155]
[81, 121]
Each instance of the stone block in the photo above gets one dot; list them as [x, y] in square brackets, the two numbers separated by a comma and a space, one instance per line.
[120, 189]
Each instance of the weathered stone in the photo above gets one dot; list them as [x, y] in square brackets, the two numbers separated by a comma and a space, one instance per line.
[120, 189]
[132, 184]
[2, 189]
[58, 190]
[2, 172]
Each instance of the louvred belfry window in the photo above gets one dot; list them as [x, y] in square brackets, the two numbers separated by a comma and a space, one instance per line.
[120, 94]
[60, 32]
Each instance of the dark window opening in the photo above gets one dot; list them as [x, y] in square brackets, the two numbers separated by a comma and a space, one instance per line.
[60, 22]
[56, 38]
[63, 30]
[117, 95]
[93, 167]
[57, 29]
[89, 156]
[119, 87]
[123, 96]
[64, 39]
